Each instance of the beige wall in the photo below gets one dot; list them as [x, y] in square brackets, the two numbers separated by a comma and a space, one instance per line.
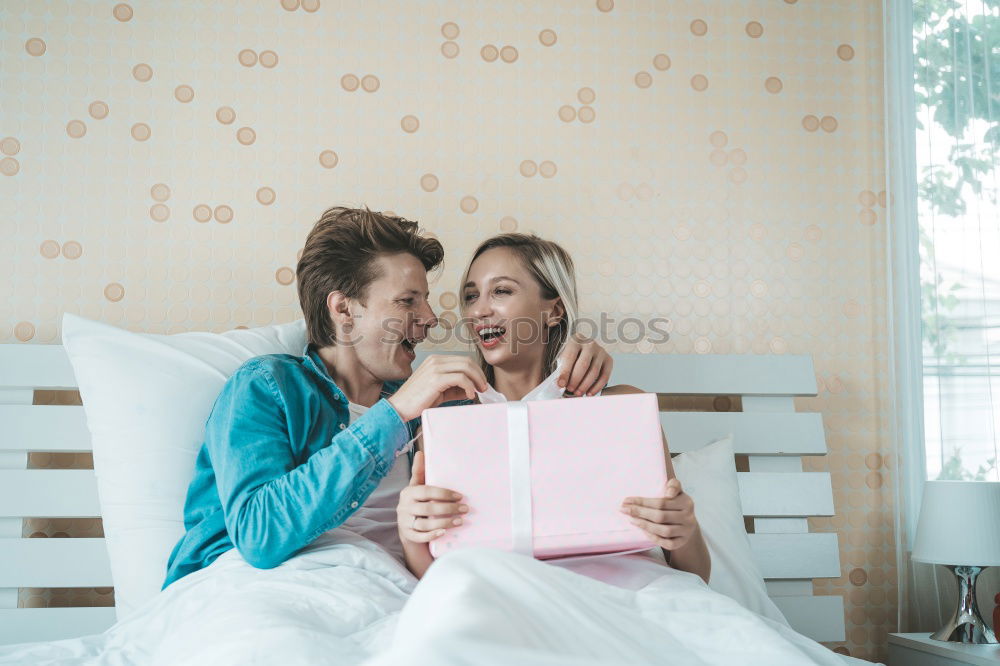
[733, 183]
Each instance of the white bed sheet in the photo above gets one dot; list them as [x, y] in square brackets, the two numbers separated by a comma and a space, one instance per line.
[346, 601]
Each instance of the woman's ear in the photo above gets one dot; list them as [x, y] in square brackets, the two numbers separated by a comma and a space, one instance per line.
[556, 314]
[339, 307]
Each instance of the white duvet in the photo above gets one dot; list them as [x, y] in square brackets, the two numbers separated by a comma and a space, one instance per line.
[346, 601]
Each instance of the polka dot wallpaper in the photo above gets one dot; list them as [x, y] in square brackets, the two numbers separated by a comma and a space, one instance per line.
[715, 162]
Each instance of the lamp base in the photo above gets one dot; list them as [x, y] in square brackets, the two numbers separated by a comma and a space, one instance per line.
[966, 624]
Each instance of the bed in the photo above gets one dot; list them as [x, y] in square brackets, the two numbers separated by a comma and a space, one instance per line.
[770, 439]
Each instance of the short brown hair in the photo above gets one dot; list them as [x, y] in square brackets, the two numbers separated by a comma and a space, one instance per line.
[340, 254]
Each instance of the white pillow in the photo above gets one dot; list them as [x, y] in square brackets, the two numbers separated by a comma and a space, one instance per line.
[147, 398]
[708, 475]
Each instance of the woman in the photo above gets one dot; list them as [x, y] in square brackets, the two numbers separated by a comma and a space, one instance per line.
[519, 301]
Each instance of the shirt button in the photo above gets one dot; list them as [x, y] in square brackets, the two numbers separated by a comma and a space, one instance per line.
[342, 426]
[354, 505]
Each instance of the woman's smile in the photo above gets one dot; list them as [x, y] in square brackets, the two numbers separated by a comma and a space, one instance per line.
[490, 335]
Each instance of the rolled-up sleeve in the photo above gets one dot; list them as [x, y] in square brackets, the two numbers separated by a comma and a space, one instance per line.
[273, 506]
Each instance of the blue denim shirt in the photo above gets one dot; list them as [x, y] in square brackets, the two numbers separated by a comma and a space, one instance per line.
[281, 463]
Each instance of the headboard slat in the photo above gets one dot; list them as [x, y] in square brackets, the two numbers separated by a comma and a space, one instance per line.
[54, 563]
[792, 556]
[44, 428]
[786, 494]
[44, 493]
[35, 367]
[722, 374]
[754, 433]
[701, 374]
[26, 625]
[820, 618]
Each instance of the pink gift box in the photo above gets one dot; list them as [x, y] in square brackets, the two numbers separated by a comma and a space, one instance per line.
[586, 456]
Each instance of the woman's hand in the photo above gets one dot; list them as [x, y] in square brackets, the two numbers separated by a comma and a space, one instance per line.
[586, 367]
[669, 520]
[424, 512]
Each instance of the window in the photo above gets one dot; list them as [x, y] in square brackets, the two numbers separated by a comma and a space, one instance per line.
[957, 88]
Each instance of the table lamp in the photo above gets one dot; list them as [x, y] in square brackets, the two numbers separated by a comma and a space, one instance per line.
[959, 527]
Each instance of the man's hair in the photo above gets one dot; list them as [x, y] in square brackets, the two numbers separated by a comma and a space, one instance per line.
[340, 254]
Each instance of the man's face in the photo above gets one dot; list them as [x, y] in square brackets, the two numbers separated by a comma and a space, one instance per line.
[395, 317]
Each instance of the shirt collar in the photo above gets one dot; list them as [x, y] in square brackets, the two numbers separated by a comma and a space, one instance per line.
[315, 362]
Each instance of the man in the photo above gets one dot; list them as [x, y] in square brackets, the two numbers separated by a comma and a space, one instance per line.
[283, 461]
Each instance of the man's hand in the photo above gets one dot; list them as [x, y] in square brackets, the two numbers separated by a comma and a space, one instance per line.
[439, 378]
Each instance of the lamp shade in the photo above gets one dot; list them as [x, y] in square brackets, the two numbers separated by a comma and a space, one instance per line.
[959, 524]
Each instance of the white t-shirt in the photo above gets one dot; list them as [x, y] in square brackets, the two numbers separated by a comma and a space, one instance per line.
[376, 518]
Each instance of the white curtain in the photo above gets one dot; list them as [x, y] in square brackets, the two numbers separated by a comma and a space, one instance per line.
[941, 74]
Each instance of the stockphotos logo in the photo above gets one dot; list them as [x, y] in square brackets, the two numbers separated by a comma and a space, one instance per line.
[606, 330]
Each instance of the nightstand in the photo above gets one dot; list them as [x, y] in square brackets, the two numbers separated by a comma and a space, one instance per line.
[920, 650]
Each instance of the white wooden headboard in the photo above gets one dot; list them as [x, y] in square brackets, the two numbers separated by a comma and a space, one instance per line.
[28, 493]
[776, 493]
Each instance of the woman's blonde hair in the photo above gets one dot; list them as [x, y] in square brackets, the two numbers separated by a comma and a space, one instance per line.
[552, 268]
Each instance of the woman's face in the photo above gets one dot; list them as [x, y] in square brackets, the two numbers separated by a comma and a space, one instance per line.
[503, 307]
